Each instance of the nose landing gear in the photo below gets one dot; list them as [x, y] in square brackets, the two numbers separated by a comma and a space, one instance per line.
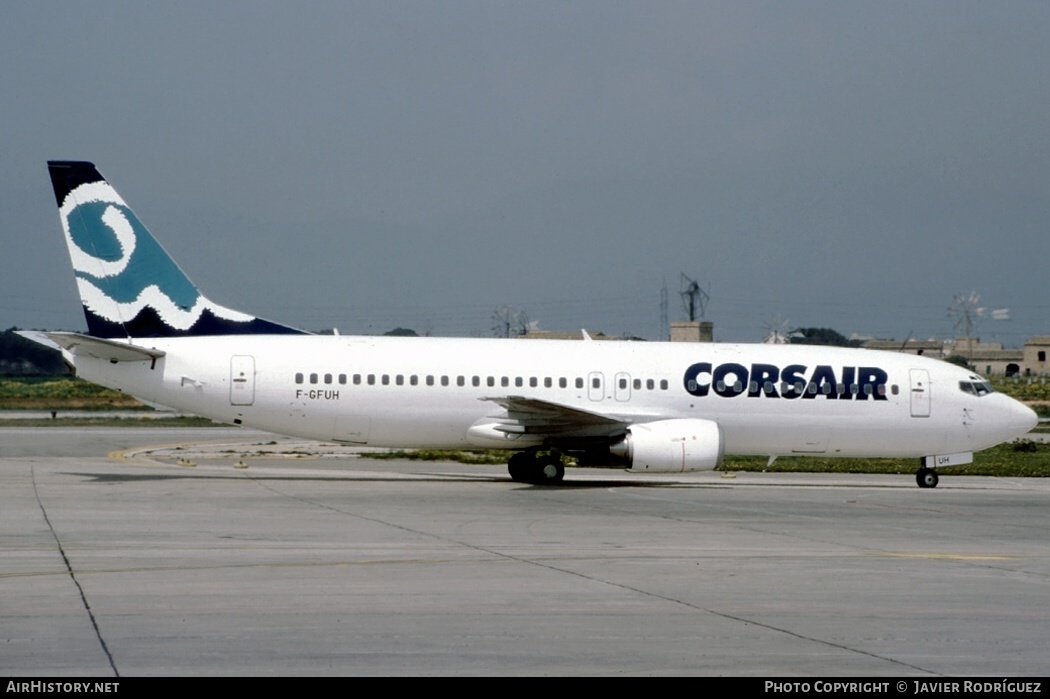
[926, 477]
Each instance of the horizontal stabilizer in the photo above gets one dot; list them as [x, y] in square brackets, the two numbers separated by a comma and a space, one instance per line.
[87, 346]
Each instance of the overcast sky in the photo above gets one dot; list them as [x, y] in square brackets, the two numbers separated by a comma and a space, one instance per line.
[367, 165]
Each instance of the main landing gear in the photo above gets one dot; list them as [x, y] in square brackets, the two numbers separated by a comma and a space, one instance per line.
[926, 477]
[530, 466]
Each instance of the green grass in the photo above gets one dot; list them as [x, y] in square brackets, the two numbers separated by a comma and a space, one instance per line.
[1033, 389]
[180, 421]
[487, 456]
[61, 393]
[1022, 458]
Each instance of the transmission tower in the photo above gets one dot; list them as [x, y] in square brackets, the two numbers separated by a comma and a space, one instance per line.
[665, 327]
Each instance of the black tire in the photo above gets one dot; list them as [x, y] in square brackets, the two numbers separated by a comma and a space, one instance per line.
[519, 465]
[551, 471]
[927, 478]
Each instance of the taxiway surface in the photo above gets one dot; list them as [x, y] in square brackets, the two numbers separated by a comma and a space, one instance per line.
[128, 563]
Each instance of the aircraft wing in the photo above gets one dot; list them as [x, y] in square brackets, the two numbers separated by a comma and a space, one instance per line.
[541, 417]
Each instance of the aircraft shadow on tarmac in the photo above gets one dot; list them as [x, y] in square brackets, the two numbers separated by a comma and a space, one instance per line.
[399, 478]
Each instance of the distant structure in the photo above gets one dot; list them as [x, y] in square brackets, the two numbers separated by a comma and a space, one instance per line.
[777, 331]
[987, 358]
[510, 322]
[694, 302]
[1035, 356]
[665, 328]
[694, 298]
[967, 312]
[692, 331]
[566, 335]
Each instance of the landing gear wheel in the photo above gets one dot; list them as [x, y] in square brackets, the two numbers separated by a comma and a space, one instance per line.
[927, 478]
[519, 466]
[550, 470]
[531, 467]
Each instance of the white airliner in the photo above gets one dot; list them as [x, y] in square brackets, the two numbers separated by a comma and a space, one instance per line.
[648, 406]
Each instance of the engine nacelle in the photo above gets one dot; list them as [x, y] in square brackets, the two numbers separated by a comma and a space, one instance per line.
[671, 446]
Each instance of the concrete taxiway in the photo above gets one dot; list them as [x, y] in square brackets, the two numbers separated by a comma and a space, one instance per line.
[118, 560]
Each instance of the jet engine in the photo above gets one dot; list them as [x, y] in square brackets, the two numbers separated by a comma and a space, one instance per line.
[671, 446]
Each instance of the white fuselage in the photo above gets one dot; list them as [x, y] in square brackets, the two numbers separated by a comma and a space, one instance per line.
[438, 392]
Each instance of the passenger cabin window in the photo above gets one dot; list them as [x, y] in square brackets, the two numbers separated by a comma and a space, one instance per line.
[328, 378]
[313, 378]
[299, 377]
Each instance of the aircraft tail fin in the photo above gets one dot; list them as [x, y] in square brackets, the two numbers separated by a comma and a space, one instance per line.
[129, 285]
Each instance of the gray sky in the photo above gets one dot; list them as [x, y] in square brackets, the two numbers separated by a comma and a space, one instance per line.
[366, 165]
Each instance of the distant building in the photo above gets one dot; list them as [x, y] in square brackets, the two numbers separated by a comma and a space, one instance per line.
[987, 358]
[570, 335]
[692, 331]
[996, 362]
[1035, 356]
[928, 348]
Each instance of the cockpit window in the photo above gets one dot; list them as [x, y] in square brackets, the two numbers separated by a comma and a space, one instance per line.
[976, 387]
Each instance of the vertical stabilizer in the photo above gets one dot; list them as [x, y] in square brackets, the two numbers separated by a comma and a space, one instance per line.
[129, 285]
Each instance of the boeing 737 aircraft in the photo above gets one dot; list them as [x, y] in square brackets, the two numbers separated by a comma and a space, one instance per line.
[651, 407]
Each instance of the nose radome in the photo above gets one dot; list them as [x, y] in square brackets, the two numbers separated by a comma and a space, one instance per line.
[1023, 419]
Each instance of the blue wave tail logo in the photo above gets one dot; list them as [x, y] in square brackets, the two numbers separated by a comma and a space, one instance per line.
[129, 285]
